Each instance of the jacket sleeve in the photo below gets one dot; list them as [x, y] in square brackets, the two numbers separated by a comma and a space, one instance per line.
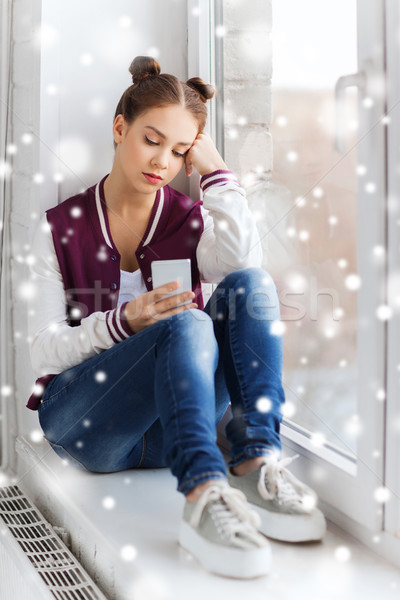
[230, 239]
[53, 344]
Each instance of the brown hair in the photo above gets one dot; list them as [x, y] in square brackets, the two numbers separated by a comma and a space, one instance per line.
[151, 89]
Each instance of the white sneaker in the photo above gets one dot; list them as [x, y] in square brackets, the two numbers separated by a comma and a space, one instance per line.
[286, 506]
[220, 531]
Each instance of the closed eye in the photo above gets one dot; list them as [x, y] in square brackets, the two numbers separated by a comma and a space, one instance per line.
[150, 141]
[174, 152]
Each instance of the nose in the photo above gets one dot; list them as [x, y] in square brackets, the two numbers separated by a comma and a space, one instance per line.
[160, 159]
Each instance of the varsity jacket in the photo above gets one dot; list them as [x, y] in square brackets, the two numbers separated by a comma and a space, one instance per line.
[75, 266]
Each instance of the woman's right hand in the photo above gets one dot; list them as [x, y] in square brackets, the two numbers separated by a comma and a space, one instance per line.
[151, 307]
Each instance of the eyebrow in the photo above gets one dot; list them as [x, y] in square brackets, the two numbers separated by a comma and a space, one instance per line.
[158, 132]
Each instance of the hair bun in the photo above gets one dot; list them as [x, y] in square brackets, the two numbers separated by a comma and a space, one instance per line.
[142, 67]
[205, 90]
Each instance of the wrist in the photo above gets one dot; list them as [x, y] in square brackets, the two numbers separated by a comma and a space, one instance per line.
[216, 167]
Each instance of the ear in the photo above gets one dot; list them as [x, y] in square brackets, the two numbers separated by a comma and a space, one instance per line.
[119, 128]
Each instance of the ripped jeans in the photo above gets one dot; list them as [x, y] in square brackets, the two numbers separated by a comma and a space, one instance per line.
[155, 399]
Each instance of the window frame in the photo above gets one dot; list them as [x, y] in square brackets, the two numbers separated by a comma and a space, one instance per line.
[346, 490]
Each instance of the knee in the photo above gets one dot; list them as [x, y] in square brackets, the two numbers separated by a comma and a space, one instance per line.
[246, 280]
[192, 318]
[194, 322]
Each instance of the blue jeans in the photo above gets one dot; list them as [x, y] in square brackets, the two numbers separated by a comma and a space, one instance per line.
[155, 398]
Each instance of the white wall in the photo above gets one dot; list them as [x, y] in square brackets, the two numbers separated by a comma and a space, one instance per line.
[84, 69]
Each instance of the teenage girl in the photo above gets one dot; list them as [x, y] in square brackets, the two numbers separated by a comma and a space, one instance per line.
[128, 376]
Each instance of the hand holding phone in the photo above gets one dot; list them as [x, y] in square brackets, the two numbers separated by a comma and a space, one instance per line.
[166, 299]
[166, 271]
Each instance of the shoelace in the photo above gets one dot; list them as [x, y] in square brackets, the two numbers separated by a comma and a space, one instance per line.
[284, 486]
[230, 514]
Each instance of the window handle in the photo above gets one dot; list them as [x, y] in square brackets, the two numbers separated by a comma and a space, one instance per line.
[358, 80]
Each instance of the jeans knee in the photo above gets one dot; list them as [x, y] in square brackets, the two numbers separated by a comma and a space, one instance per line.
[250, 278]
[192, 318]
[255, 289]
[197, 326]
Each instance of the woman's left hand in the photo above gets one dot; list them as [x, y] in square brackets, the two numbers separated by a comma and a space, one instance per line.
[204, 156]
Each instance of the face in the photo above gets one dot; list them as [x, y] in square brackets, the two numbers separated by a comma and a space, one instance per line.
[151, 150]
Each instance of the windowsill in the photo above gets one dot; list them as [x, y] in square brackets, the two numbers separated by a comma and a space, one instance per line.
[147, 515]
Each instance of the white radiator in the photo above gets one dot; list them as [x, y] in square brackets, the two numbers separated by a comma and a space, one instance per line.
[35, 564]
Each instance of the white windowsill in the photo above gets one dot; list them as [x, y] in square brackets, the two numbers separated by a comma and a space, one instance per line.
[147, 515]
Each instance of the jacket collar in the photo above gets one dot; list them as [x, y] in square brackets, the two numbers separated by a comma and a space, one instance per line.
[102, 215]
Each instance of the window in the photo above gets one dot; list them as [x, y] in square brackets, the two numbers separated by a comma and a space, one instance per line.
[310, 148]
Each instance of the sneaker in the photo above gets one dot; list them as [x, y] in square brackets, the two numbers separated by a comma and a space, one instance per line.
[286, 506]
[220, 531]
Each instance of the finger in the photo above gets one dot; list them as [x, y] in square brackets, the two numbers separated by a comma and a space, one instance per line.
[173, 311]
[166, 288]
[167, 303]
[188, 167]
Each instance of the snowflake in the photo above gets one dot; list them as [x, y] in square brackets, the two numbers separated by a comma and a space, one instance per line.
[318, 192]
[108, 502]
[100, 376]
[27, 138]
[342, 553]
[382, 495]
[52, 89]
[281, 121]
[353, 282]
[292, 156]
[86, 60]
[263, 404]
[361, 170]
[318, 439]
[277, 328]
[128, 553]
[381, 395]
[36, 435]
[384, 312]
[38, 178]
[76, 212]
[220, 31]
[368, 102]
[288, 409]
[353, 426]
[153, 51]
[125, 22]
[370, 187]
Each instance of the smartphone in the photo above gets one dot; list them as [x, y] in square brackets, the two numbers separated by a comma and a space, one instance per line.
[166, 271]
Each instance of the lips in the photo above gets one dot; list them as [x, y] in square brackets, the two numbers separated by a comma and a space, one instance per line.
[152, 178]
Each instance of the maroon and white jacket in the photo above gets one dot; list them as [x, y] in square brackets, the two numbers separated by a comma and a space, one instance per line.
[75, 269]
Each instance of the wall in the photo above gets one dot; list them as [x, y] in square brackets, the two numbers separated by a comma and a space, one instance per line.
[247, 85]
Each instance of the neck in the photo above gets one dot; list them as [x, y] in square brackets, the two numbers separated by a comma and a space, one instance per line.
[121, 198]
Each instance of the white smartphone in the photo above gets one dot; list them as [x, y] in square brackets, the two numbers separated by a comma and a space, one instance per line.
[165, 271]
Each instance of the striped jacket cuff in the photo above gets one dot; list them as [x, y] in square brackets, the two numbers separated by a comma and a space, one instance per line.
[117, 324]
[218, 178]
